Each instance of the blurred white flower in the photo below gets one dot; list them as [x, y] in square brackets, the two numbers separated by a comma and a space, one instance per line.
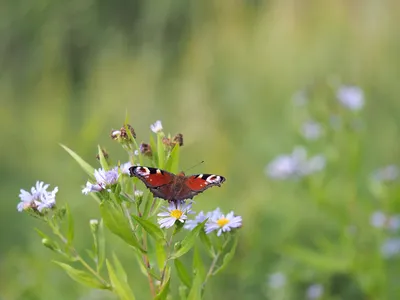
[351, 97]
[222, 223]
[386, 174]
[156, 127]
[276, 280]
[138, 194]
[300, 98]
[125, 167]
[311, 130]
[378, 219]
[390, 247]
[381, 220]
[172, 213]
[294, 165]
[103, 180]
[315, 291]
[39, 198]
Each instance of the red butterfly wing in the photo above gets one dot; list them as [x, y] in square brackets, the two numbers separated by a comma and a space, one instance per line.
[158, 181]
[196, 184]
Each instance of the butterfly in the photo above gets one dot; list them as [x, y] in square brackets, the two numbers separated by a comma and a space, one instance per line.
[173, 187]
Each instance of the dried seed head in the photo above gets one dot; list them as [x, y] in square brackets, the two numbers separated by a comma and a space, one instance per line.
[104, 153]
[115, 134]
[145, 149]
[178, 139]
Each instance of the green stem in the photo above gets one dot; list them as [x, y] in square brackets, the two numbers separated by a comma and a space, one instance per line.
[76, 255]
[211, 269]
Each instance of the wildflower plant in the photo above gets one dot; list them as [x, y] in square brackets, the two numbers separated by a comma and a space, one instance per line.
[151, 228]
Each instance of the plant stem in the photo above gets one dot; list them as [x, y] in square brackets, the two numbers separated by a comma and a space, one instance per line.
[211, 269]
[144, 244]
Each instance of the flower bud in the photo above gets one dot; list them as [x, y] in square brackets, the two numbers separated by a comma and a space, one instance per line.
[94, 225]
[177, 246]
[49, 244]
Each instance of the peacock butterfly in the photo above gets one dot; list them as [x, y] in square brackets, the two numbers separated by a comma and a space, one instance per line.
[173, 187]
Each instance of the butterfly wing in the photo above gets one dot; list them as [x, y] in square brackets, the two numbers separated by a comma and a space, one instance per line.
[196, 184]
[158, 181]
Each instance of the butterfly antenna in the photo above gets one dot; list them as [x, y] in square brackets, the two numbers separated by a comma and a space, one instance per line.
[195, 166]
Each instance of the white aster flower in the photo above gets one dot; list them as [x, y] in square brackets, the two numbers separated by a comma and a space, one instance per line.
[174, 212]
[156, 127]
[103, 180]
[276, 280]
[351, 97]
[311, 130]
[125, 167]
[294, 165]
[222, 223]
[39, 198]
[315, 291]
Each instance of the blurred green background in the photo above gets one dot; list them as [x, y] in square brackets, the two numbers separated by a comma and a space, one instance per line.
[223, 74]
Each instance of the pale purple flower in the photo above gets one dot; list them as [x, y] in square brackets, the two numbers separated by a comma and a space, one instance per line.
[124, 168]
[156, 127]
[294, 165]
[378, 219]
[276, 280]
[391, 247]
[315, 291]
[311, 130]
[386, 174]
[39, 198]
[352, 97]
[174, 212]
[222, 223]
[191, 224]
[103, 178]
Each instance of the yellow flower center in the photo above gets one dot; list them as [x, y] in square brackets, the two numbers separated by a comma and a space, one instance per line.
[222, 222]
[176, 213]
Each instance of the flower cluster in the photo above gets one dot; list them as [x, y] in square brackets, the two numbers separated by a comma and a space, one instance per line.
[104, 179]
[38, 199]
[294, 165]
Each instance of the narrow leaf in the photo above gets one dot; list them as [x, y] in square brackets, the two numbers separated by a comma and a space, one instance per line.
[172, 164]
[198, 265]
[162, 295]
[189, 240]
[150, 228]
[207, 243]
[183, 274]
[82, 277]
[120, 286]
[102, 159]
[70, 233]
[195, 291]
[116, 222]
[148, 203]
[84, 165]
[228, 257]
[160, 151]
[101, 247]
[119, 269]
[160, 254]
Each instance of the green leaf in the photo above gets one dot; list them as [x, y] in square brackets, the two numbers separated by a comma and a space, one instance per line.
[160, 254]
[183, 292]
[172, 164]
[195, 291]
[228, 256]
[189, 240]
[117, 223]
[150, 228]
[119, 268]
[82, 277]
[198, 265]
[103, 160]
[158, 203]
[162, 295]
[84, 165]
[183, 274]
[101, 247]
[207, 243]
[160, 151]
[119, 284]
[148, 203]
[70, 233]
[153, 146]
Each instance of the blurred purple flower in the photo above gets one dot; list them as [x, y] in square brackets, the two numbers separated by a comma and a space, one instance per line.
[351, 97]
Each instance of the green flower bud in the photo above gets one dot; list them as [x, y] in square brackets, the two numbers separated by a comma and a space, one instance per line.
[94, 225]
[49, 244]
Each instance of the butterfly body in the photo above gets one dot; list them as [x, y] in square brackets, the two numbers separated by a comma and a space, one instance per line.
[173, 187]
